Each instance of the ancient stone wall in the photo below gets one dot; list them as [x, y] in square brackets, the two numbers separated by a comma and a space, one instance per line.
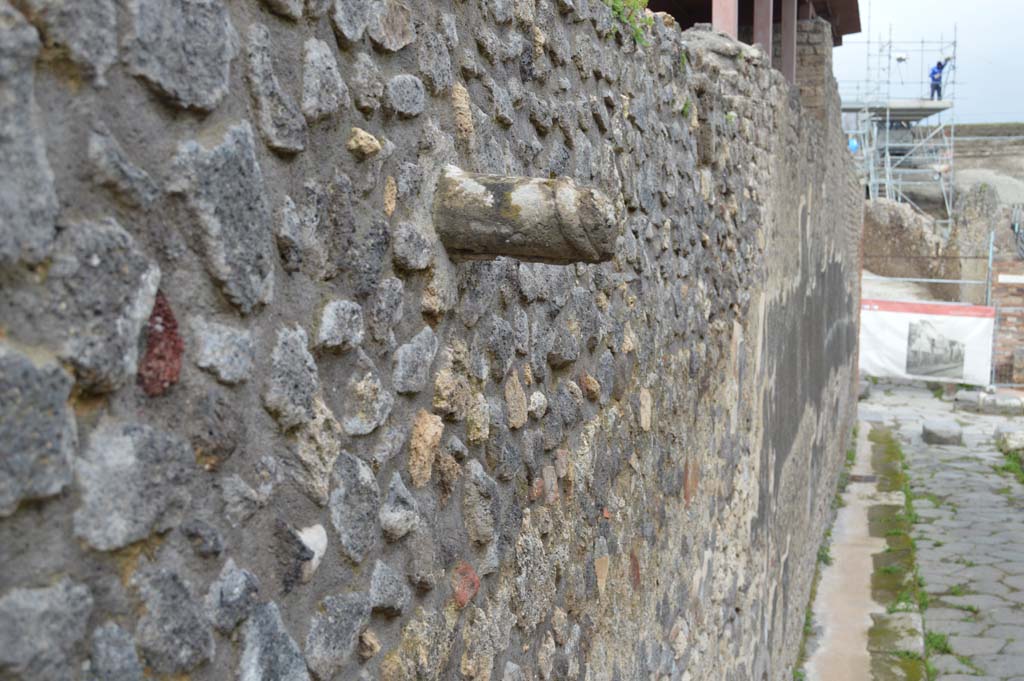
[258, 421]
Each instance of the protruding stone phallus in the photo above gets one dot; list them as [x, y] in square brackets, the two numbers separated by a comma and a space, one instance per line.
[482, 217]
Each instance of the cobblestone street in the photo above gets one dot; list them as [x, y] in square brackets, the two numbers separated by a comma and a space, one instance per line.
[969, 533]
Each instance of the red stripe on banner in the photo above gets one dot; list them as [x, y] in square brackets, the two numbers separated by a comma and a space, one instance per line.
[944, 309]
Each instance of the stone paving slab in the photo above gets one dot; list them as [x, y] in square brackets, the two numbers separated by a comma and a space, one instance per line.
[942, 432]
[970, 527]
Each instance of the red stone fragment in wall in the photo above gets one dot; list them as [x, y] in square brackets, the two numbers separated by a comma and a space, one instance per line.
[465, 583]
[634, 570]
[537, 488]
[161, 363]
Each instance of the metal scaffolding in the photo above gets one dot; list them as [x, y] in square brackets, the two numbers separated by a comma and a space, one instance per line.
[902, 139]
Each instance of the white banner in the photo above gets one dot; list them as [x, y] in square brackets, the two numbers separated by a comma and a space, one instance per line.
[942, 342]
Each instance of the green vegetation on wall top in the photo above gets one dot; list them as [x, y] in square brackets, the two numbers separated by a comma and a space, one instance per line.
[631, 13]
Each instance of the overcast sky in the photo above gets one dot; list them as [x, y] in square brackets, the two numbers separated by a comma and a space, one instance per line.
[989, 72]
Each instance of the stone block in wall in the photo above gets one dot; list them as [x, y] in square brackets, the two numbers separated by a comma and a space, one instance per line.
[164, 48]
[38, 434]
[28, 202]
[223, 188]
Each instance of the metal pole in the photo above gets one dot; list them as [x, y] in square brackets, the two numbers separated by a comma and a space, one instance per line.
[988, 284]
[888, 119]
[992, 350]
[952, 131]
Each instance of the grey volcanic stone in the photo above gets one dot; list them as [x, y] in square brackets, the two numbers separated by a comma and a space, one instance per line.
[498, 338]
[324, 92]
[503, 453]
[500, 10]
[400, 513]
[98, 293]
[354, 504]
[224, 189]
[293, 381]
[942, 433]
[413, 360]
[318, 8]
[512, 671]
[297, 232]
[216, 426]
[350, 19]
[298, 552]
[391, 27]
[111, 287]
[232, 596]
[479, 503]
[39, 629]
[278, 118]
[296, 238]
[333, 633]
[28, 202]
[113, 655]
[206, 539]
[111, 168]
[363, 252]
[565, 348]
[292, 9]
[504, 112]
[435, 63]
[367, 84]
[386, 310]
[410, 249]
[341, 326]
[388, 446]
[225, 351]
[456, 448]
[38, 434]
[535, 582]
[269, 653]
[388, 593]
[367, 401]
[410, 179]
[421, 566]
[173, 634]
[87, 29]
[162, 47]
[540, 281]
[405, 96]
[133, 481]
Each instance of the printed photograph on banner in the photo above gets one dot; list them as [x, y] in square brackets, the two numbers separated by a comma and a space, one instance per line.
[934, 349]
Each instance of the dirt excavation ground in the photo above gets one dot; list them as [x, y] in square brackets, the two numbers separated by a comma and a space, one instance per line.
[923, 578]
[876, 287]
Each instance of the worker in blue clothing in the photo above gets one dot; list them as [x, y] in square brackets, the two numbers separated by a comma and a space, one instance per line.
[936, 77]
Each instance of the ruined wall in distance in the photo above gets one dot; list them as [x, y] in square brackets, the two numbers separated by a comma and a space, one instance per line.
[255, 423]
[899, 241]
